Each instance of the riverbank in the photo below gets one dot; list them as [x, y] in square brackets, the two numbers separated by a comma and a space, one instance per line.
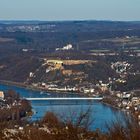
[130, 112]
[29, 87]
[107, 104]
[40, 89]
[67, 108]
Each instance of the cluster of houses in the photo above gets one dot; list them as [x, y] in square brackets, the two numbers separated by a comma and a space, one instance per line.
[129, 101]
[88, 89]
[120, 67]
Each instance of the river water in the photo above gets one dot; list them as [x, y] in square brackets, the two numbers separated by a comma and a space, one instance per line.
[100, 114]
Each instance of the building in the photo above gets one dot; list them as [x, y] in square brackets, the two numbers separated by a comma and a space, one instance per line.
[55, 62]
[67, 47]
[1, 95]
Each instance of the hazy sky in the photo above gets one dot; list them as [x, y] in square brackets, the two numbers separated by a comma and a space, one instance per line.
[70, 9]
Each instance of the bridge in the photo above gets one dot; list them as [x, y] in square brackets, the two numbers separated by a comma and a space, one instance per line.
[64, 98]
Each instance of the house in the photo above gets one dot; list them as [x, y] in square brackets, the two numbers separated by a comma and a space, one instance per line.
[31, 74]
[1, 95]
[126, 95]
[124, 102]
[135, 99]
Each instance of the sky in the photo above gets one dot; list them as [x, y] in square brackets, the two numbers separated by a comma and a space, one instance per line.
[120, 10]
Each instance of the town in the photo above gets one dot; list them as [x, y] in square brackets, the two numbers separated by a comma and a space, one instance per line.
[128, 100]
[76, 59]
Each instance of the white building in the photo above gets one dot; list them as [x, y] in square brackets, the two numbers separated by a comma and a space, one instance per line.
[67, 47]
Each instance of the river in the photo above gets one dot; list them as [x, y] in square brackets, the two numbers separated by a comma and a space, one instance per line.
[100, 114]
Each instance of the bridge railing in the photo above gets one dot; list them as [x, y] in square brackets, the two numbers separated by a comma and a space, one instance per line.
[68, 98]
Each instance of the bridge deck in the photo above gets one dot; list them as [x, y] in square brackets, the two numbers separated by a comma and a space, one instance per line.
[68, 98]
